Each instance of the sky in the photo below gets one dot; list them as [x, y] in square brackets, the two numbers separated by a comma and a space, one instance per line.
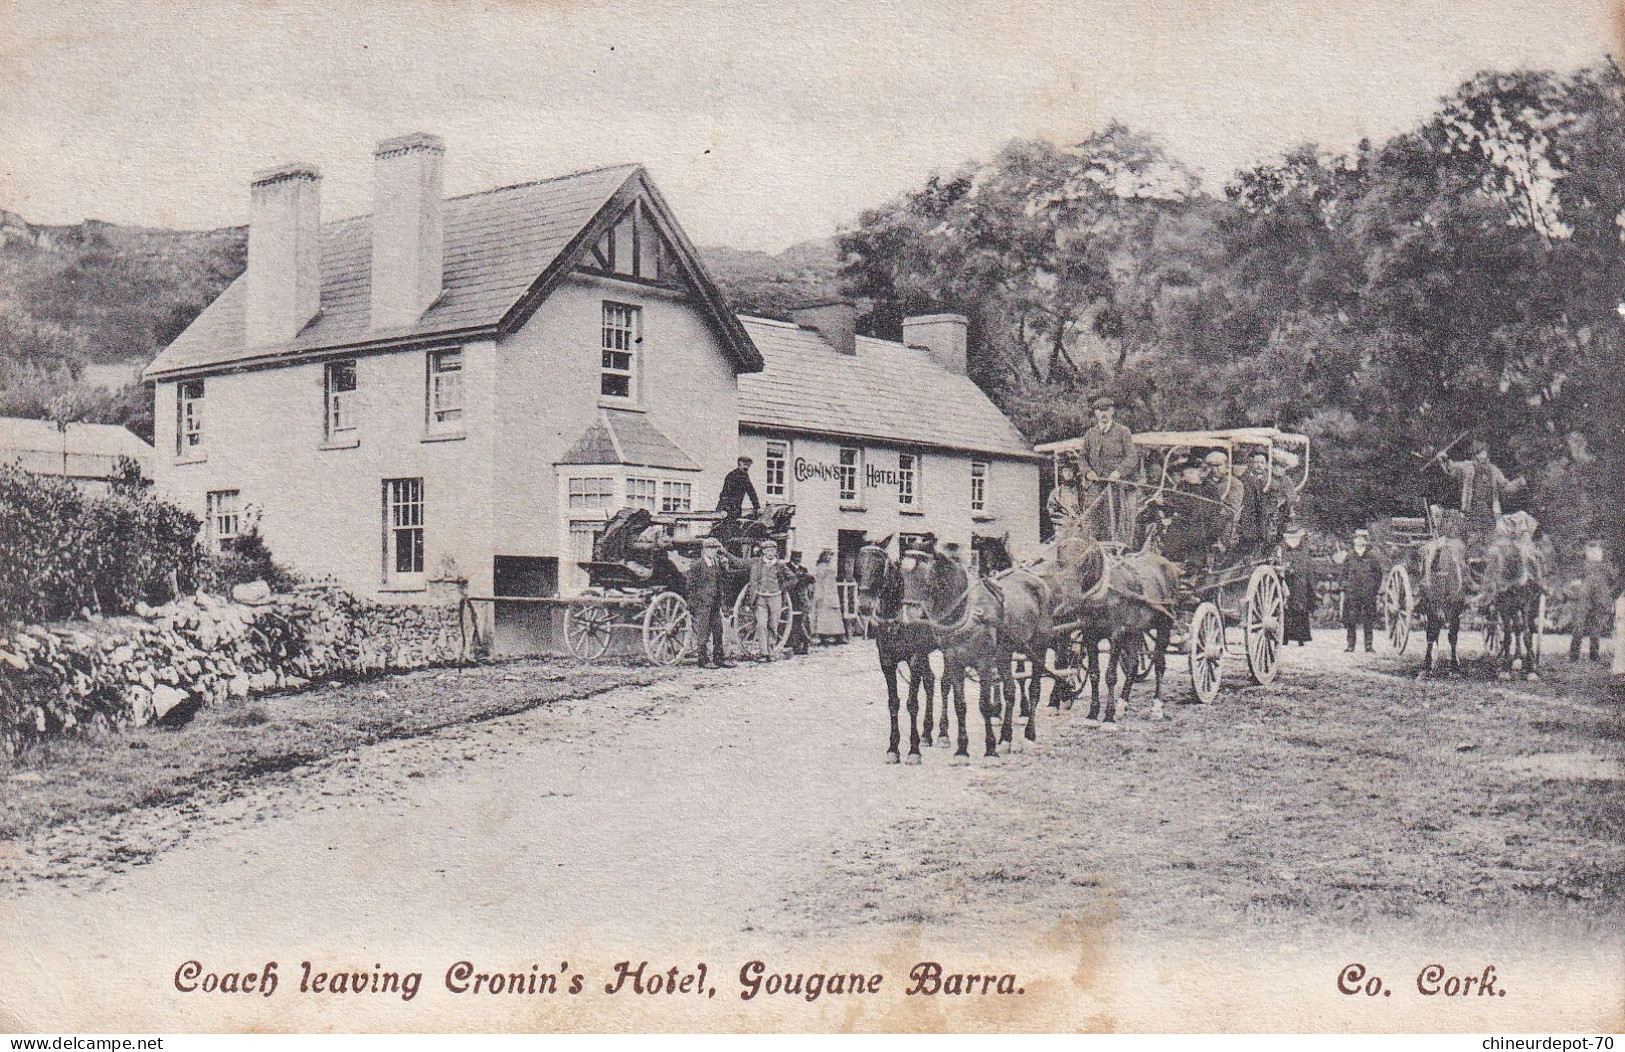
[764, 124]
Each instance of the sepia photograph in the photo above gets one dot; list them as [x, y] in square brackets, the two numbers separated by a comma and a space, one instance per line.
[649, 516]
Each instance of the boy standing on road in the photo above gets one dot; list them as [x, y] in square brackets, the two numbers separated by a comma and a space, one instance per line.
[1362, 580]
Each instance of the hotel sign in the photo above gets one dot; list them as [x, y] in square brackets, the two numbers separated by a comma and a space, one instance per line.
[826, 471]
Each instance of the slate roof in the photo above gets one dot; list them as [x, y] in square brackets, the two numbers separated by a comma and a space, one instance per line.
[885, 391]
[93, 449]
[504, 250]
[620, 437]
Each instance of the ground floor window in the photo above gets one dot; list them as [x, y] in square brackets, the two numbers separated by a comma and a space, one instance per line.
[403, 529]
[583, 534]
[225, 517]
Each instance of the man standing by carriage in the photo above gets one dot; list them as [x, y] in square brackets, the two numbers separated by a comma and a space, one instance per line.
[1109, 459]
[1362, 580]
[704, 586]
[1594, 609]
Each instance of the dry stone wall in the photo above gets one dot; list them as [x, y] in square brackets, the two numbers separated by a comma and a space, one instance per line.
[86, 676]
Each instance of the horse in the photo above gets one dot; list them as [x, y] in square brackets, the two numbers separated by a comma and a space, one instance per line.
[993, 617]
[1135, 598]
[1442, 594]
[898, 640]
[1514, 581]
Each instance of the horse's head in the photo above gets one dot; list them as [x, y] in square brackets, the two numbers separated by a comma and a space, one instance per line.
[933, 586]
[875, 575]
[1074, 574]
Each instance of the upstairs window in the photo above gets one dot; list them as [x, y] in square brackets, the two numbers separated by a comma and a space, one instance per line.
[225, 517]
[340, 385]
[595, 494]
[445, 409]
[978, 485]
[403, 528]
[642, 493]
[778, 456]
[851, 465]
[622, 333]
[908, 467]
[189, 418]
[676, 497]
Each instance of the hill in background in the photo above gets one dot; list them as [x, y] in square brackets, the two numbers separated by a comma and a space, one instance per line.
[84, 307]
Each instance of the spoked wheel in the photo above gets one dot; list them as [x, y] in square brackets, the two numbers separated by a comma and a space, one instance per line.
[587, 629]
[1398, 606]
[1265, 623]
[1206, 646]
[667, 629]
[747, 630]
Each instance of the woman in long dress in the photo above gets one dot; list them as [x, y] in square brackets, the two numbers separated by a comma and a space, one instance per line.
[1300, 585]
[828, 624]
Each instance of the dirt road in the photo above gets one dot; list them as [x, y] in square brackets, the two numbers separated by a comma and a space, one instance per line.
[1217, 869]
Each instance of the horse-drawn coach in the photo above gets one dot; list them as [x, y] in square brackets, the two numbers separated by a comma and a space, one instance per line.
[1231, 599]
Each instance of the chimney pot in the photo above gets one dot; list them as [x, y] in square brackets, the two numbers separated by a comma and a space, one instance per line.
[944, 335]
[835, 320]
[408, 229]
[284, 252]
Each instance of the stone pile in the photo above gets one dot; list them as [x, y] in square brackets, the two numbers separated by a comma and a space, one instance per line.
[128, 671]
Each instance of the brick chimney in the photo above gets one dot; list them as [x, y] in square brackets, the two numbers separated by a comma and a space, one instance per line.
[408, 232]
[944, 335]
[835, 320]
[284, 252]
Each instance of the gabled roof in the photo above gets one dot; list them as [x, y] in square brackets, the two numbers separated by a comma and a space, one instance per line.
[885, 391]
[622, 437]
[92, 450]
[505, 250]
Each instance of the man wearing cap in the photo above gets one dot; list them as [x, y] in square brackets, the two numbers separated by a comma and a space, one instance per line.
[1225, 489]
[768, 580]
[1191, 521]
[1482, 487]
[801, 600]
[1595, 606]
[1109, 457]
[736, 489]
[1362, 580]
[704, 582]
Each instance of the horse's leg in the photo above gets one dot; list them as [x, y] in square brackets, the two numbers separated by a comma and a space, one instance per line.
[1531, 660]
[1159, 664]
[1129, 663]
[953, 678]
[1034, 691]
[942, 684]
[913, 713]
[1455, 632]
[1433, 637]
[986, 685]
[1111, 685]
[930, 706]
[888, 668]
[1093, 647]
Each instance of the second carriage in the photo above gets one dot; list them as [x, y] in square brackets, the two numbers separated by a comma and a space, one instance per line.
[637, 583]
[1227, 609]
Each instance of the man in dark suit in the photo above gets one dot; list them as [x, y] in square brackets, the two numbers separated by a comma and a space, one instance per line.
[736, 489]
[1362, 580]
[705, 581]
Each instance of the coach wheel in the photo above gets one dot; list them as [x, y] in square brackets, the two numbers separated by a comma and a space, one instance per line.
[667, 629]
[1398, 607]
[1206, 648]
[587, 629]
[1265, 623]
